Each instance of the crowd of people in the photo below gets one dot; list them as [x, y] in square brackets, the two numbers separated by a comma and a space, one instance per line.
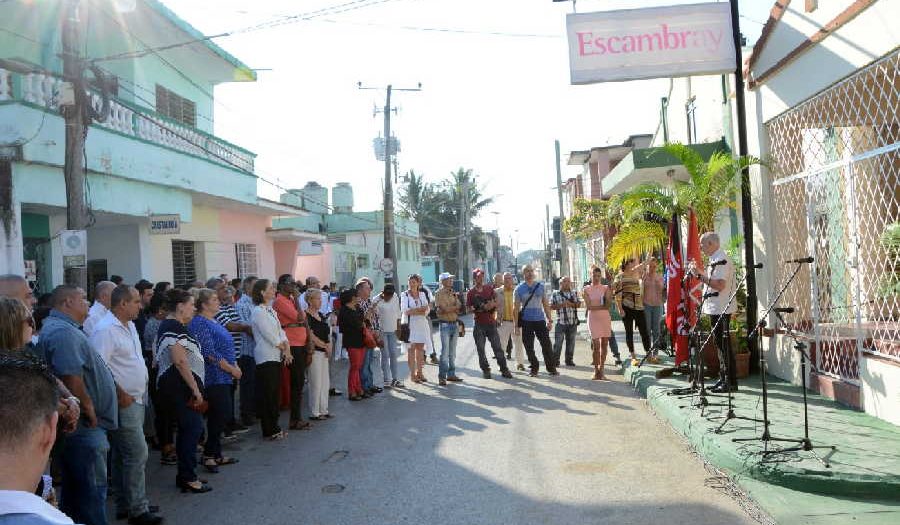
[186, 369]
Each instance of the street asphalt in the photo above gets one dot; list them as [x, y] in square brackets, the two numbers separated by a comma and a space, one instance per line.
[545, 450]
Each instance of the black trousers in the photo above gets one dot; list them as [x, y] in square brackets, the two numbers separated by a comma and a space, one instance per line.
[631, 318]
[488, 332]
[727, 363]
[530, 330]
[219, 398]
[268, 384]
[298, 378]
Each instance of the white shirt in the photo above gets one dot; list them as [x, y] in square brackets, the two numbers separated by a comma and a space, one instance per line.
[388, 313]
[267, 333]
[120, 346]
[716, 305]
[21, 502]
[95, 315]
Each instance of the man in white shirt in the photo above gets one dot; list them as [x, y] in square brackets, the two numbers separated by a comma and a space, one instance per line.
[28, 420]
[102, 294]
[719, 279]
[116, 339]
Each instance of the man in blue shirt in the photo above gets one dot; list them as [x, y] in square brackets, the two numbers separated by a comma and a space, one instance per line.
[247, 362]
[70, 356]
[536, 320]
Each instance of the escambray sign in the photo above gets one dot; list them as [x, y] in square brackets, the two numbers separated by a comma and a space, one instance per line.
[632, 44]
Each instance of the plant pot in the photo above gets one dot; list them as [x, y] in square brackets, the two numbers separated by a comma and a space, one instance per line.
[710, 356]
[742, 365]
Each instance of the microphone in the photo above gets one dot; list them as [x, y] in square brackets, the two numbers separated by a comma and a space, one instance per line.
[803, 260]
[710, 294]
[788, 310]
[718, 263]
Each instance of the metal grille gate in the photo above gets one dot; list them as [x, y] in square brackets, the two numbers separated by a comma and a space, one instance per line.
[836, 197]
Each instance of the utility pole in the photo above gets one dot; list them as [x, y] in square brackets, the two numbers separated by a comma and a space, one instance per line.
[564, 256]
[467, 234]
[76, 120]
[548, 246]
[389, 152]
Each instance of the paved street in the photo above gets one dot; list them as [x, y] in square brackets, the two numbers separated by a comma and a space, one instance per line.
[526, 451]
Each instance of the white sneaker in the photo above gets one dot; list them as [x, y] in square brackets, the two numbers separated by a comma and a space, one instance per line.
[388, 384]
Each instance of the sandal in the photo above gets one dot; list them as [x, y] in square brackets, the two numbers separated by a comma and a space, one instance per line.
[299, 425]
[211, 465]
[278, 436]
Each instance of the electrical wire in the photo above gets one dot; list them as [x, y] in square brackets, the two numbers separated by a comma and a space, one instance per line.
[442, 29]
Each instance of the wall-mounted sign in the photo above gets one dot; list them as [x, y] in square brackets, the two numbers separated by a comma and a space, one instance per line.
[632, 44]
[73, 245]
[165, 224]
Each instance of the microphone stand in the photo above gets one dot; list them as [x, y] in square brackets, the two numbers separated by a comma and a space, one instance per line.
[730, 414]
[803, 444]
[690, 390]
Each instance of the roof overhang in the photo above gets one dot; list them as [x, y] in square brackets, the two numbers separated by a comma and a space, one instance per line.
[653, 165]
[293, 234]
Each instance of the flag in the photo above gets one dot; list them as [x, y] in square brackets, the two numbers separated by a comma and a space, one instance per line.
[674, 296]
[693, 286]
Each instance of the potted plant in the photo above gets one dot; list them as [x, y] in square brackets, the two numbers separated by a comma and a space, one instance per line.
[885, 306]
[739, 345]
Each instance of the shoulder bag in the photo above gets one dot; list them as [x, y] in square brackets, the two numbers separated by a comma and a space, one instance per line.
[404, 327]
[522, 310]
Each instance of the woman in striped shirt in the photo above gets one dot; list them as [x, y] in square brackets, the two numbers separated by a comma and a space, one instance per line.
[630, 303]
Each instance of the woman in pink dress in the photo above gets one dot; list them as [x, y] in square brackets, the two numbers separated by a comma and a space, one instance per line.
[597, 298]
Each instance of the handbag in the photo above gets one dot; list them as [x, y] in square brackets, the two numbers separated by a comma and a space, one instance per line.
[369, 341]
[404, 332]
[522, 311]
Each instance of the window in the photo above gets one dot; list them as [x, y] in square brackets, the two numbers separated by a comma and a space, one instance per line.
[184, 263]
[246, 260]
[176, 107]
[691, 112]
[362, 262]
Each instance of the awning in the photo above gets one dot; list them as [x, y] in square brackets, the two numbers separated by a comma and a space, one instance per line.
[653, 165]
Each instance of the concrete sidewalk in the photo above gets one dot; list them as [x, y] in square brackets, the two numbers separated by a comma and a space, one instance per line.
[861, 485]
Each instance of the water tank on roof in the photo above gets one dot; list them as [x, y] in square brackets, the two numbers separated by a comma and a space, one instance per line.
[342, 198]
[315, 198]
[292, 198]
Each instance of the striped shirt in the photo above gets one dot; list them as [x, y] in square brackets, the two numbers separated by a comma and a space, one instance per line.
[172, 332]
[227, 315]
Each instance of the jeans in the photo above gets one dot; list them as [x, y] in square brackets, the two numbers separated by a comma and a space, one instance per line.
[614, 345]
[128, 459]
[530, 330]
[247, 388]
[449, 336]
[489, 332]
[389, 354]
[298, 379]
[268, 384]
[635, 317]
[365, 374]
[727, 364]
[567, 332]
[219, 398]
[654, 317]
[176, 394]
[84, 476]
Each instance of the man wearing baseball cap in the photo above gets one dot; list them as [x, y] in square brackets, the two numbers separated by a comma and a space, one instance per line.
[482, 301]
[447, 304]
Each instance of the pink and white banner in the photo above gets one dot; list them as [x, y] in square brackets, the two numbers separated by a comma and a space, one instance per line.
[632, 44]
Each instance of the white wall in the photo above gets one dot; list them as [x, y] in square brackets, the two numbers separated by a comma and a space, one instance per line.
[120, 247]
[880, 388]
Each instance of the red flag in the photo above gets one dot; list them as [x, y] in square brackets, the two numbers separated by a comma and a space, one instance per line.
[674, 296]
[693, 286]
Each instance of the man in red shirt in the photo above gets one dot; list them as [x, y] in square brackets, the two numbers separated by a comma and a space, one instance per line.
[480, 299]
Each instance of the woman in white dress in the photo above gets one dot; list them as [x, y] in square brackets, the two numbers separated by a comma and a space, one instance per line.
[414, 305]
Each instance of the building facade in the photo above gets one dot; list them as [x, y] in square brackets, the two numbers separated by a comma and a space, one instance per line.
[822, 105]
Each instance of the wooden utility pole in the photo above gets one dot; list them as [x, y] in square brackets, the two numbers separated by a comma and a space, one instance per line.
[75, 116]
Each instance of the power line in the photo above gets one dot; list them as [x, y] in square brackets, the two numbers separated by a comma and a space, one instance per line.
[442, 29]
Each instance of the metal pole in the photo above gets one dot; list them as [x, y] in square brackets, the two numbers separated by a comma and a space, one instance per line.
[388, 193]
[746, 201]
[74, 116]
[564, 256]
[460, 271]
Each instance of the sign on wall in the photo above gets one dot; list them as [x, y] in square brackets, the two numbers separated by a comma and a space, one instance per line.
[74, 248]
[632, 44]
[165, 224]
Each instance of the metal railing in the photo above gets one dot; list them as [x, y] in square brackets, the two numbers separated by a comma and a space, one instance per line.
[836, 197]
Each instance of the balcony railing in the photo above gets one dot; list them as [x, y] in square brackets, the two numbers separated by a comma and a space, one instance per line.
[42, 90]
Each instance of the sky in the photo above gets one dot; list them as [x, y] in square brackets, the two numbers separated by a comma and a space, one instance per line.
[495, 95]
